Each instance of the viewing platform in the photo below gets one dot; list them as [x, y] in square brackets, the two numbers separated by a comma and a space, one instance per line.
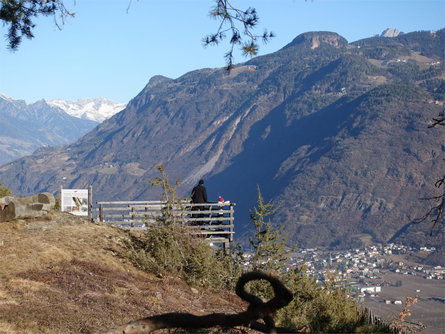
[214, 221]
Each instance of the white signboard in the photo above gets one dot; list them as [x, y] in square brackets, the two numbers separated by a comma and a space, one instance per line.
[75, 201]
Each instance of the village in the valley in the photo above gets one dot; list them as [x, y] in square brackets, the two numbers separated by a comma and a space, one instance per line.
[363, 265]
[382, 277]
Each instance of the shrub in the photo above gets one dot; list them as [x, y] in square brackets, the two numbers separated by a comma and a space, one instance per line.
[167, 248]
[325, 308]
[314, 308]
[4, 191]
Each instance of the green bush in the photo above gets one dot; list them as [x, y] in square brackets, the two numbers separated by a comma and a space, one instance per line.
[325, 308]
[4, 191]
[321, 309]
[168, 250]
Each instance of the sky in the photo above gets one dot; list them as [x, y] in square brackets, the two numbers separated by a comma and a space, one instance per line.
[111, 48]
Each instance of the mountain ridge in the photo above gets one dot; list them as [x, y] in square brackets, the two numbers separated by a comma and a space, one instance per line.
[95, 109]
[308, 124]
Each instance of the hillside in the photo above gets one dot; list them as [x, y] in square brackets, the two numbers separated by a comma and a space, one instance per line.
[62, 274]
[336, 134]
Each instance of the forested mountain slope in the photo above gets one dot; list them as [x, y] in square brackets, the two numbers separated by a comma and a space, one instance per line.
[335, 133]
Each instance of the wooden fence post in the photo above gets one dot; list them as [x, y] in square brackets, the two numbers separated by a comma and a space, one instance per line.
[90, 203]
[60, 200]
[231, 222]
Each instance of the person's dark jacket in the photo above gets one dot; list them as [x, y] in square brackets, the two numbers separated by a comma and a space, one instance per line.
[199, 194]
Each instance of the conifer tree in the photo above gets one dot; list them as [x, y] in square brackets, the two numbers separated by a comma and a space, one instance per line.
[18, 15]
[173, 210]
[268, 244]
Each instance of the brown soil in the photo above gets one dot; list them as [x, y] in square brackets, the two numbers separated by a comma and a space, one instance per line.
[63, 274]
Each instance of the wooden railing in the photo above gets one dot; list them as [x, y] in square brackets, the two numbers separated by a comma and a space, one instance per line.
[214, 221]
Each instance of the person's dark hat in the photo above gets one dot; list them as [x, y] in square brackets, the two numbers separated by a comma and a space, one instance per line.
[201, 181]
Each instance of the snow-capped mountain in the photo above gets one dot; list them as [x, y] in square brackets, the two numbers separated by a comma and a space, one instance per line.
[6, 97]
[25, 127]
[95, 109]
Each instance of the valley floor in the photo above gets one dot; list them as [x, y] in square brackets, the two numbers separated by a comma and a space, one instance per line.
[430, 306]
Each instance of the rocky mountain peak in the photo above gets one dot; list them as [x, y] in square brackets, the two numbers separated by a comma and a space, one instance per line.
[157, 79]
[391, 32]
[315, 39]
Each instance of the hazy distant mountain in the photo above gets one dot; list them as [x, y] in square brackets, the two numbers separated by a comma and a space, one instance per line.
[27, 127]
[95, 109]
[334, 133]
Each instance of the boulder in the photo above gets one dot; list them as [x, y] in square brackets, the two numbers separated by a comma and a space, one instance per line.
[25, 207]
[4, 201]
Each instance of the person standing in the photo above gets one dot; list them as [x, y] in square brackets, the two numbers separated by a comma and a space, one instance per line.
[199, 195]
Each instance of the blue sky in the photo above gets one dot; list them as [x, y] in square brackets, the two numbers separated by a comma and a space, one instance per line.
[107, 51]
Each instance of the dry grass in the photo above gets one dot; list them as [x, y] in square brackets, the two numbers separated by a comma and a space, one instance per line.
[63, 274]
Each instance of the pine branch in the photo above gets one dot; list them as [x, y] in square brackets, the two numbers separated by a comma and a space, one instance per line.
[241, 25]
[19, 15]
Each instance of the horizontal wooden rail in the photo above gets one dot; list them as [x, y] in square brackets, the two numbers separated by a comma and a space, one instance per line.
[213, 220]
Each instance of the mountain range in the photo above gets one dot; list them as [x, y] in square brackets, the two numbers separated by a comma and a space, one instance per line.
[27, 127]
[96, 109]
[334, 133]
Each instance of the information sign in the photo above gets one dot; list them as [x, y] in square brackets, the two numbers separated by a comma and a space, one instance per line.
[75, 201]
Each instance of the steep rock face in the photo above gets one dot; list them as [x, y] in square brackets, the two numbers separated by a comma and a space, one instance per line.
[336, 134]
[391, 32]
[313, 40]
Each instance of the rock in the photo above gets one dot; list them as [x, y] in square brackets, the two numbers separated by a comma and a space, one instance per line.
[46, 199]
[8, 212]
[391, 32]
[4, 201]
[26, 207]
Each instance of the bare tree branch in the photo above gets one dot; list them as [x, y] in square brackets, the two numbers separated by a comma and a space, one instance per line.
[440, 120]
[437, 121]
[256, 310]
[436, 212]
